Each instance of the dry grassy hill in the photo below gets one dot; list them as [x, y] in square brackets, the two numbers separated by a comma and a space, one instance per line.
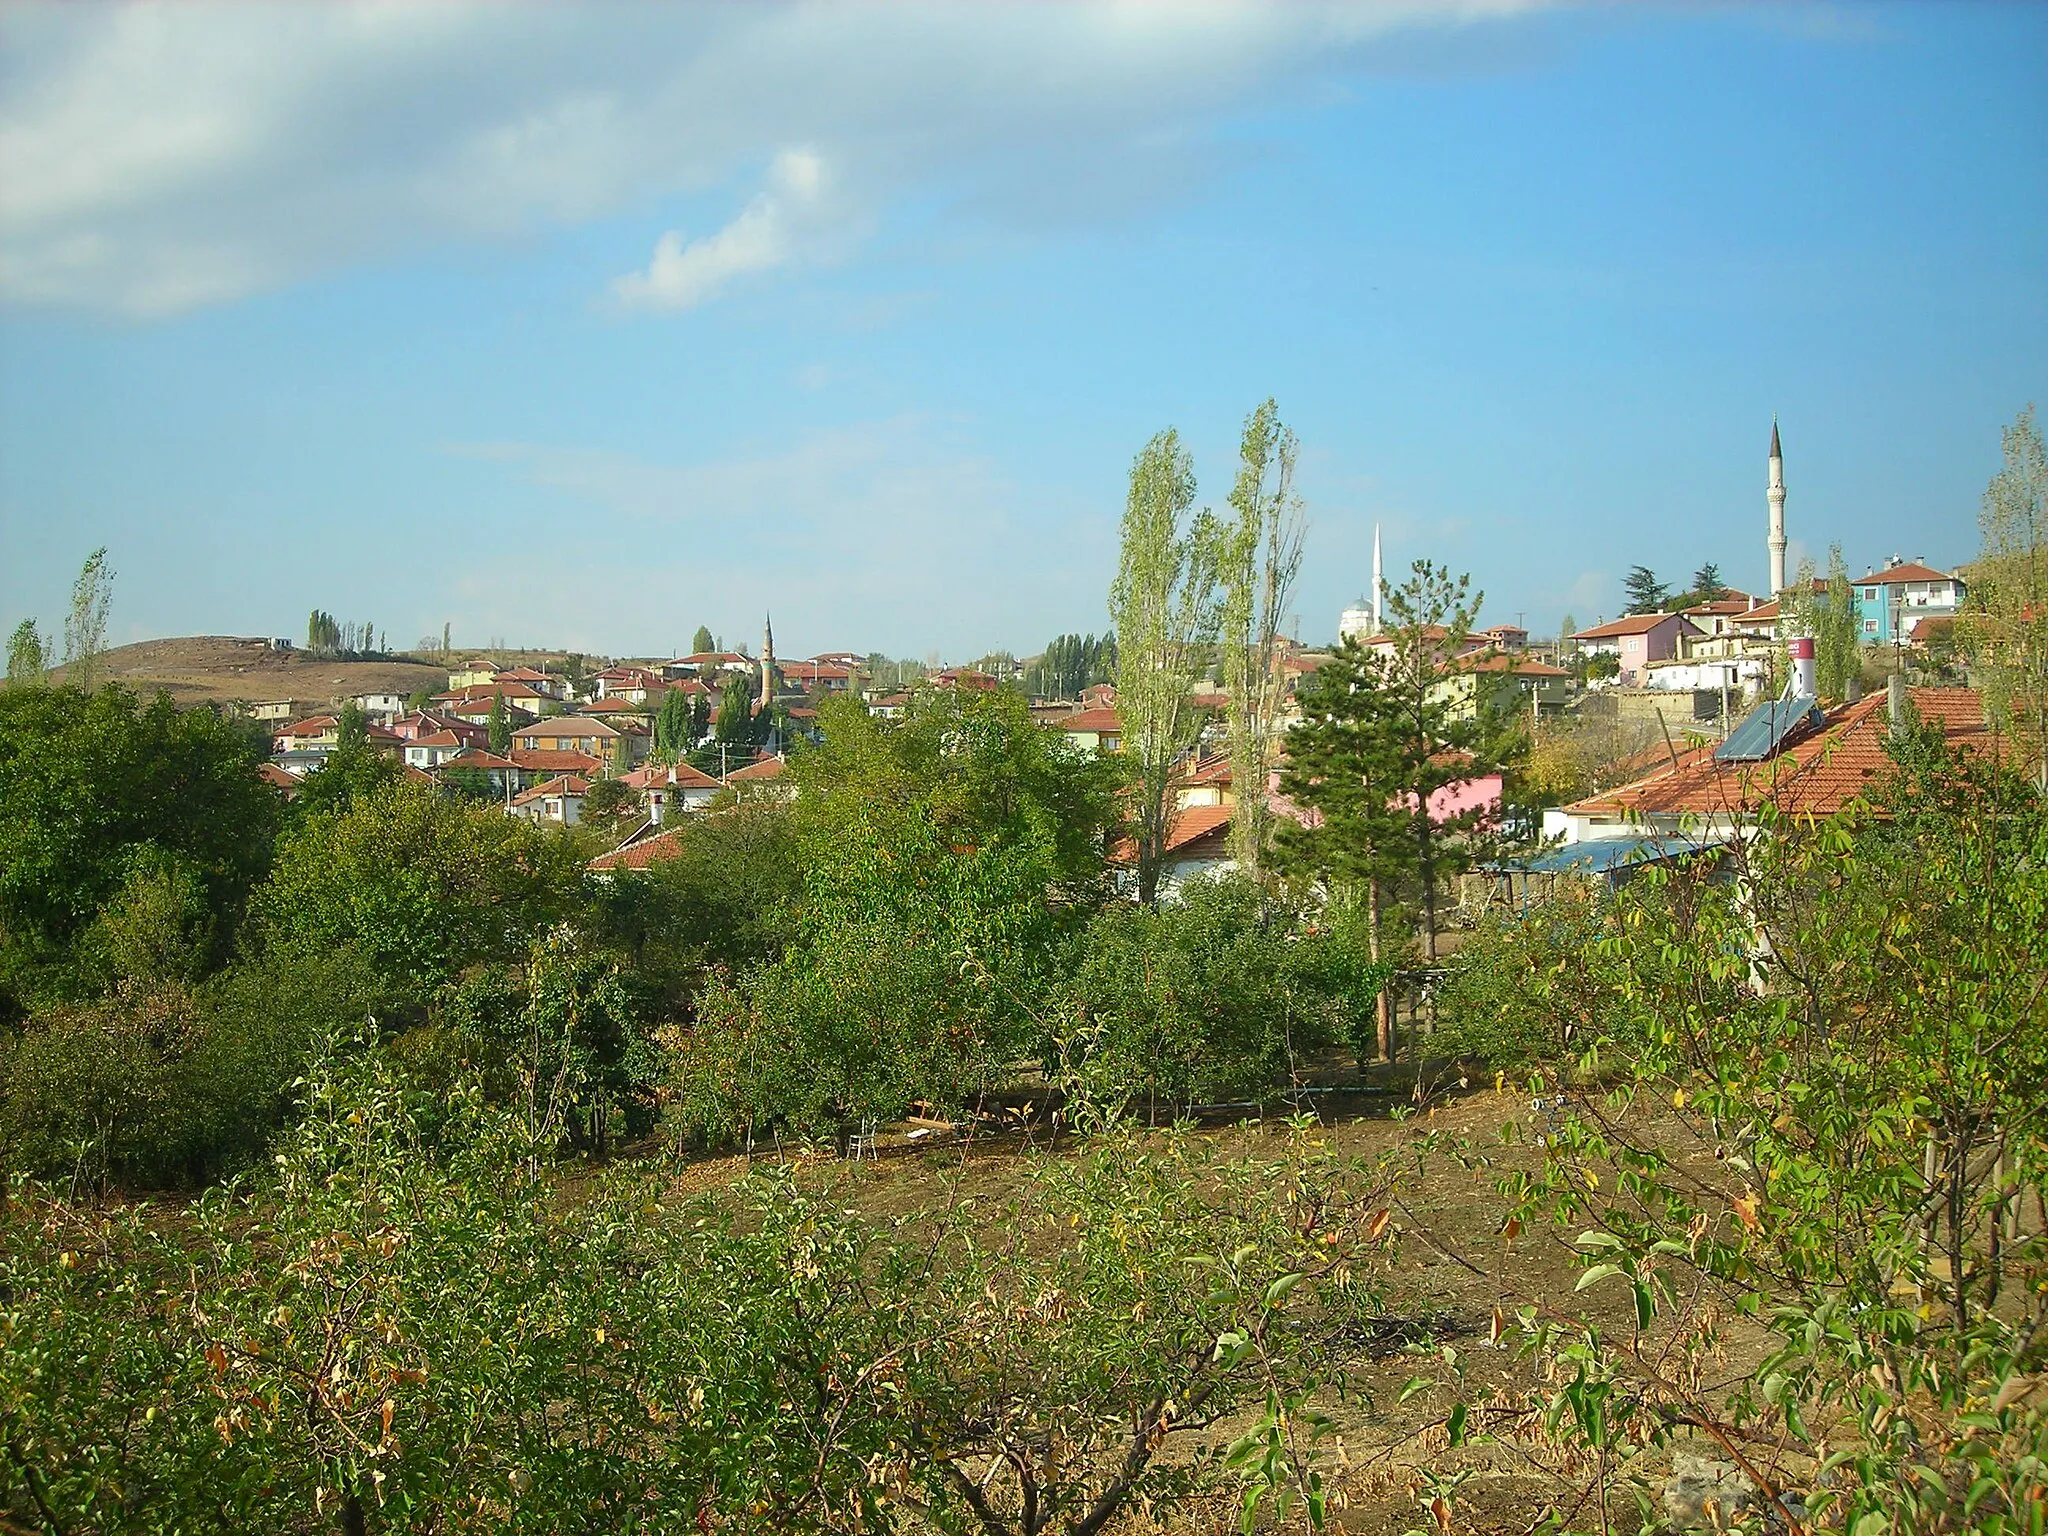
[226, 668]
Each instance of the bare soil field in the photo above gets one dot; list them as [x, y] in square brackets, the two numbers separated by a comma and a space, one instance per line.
[1455, 1268]
[223, 669]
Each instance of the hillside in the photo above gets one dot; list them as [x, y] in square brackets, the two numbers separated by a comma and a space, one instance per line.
[225, 668]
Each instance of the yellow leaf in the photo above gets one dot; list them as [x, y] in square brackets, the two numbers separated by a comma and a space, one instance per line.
[1678, 1098]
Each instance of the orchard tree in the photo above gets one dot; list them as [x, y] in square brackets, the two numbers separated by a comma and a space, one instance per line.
[1163, 608]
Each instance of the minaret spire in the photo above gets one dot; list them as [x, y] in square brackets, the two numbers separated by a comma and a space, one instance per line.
[767, 661]
[1775, 494]
[1376, 578]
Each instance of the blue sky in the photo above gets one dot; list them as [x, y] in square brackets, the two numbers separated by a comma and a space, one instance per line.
[583, 326]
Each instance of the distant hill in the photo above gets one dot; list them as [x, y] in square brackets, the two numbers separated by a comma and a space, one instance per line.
[226, 668]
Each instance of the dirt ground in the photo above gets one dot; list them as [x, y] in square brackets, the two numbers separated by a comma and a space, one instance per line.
[225, 669]
[1455, 1267]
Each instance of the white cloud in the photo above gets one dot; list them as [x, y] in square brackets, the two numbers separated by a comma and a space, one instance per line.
[769, 234]
[157, 158]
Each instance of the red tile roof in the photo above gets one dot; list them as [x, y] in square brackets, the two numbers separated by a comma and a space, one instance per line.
[276, 777]
[659, 775]
[1815, 776]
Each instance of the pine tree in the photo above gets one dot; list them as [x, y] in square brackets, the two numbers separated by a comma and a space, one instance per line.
[1646, 593]
[1442, 746]
[1346, 765]
[1707, 584]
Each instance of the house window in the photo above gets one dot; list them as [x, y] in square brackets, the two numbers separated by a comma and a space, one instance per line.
[1870, 626]
[1870, 594]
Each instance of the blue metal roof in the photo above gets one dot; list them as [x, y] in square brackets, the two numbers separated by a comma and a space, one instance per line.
[1603, 855]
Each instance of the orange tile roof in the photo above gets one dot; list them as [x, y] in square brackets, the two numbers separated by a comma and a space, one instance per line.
[1093, 720]
[665, 845]
[766, 768]
[554, 760]
[1631, 624]
[562, 727]
[1189, 827]
[1910, 570]
[563, 784]
[1815, 776]
[1507, 661]
[276, 777]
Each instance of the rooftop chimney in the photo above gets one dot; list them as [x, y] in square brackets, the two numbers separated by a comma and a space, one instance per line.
[1801, 649]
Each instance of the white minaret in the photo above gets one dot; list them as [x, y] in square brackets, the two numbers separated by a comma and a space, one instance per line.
[1777, 499]
[1375, 578]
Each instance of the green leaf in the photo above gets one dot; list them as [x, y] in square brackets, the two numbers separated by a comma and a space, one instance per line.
[1456, 1425]
[1596, 1274]
[1281, 1288]
[1597, 1240]
[1413, 1385]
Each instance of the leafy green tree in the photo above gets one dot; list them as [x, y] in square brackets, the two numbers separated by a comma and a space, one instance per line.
[415, 887]
[924, 938]
[352, 728]
[1828, 615]
[1707, 584]
[1646, 594]
[472, 784]
[674, 725]
[1258, 561]
[351, 772]
[2004, 628]
[89, 780]
[1208, 998]
[1163, 607]
[735, 722]
[500, 726]
[28, 656]
[611, 809]
[85, 628]
[701, 642]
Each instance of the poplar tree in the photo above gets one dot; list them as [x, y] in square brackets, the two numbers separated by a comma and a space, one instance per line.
[1259, 557]
[1163, 608]
[701, 641]
[28, 655]
[673, 733]
[2004, 629]
[500, 726]
[85, 629]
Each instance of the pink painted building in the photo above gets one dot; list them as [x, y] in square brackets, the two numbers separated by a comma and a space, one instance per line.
[1637, 640]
